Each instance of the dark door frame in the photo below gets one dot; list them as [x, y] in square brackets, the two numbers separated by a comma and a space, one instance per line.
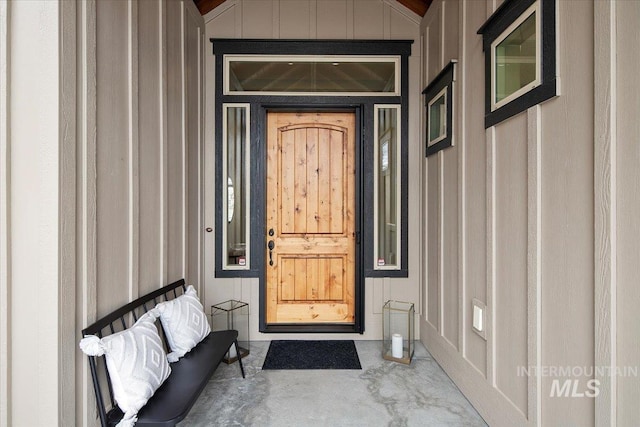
[364, 106]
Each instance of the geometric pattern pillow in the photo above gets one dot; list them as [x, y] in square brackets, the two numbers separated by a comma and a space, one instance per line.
[184, 323]
[136, 362]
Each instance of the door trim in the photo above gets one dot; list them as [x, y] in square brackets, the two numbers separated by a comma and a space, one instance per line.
[260, 196]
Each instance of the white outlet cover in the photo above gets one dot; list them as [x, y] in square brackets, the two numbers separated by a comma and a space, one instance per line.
[478, 318]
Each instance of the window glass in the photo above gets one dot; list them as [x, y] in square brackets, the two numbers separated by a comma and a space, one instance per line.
[516, 60]
[296, 75]
[438, 118]
[387, 188]
[236, 202]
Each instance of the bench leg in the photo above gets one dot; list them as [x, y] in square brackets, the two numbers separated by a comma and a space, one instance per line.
[235, 342]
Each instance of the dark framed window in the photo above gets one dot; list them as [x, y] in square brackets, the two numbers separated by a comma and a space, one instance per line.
[439, 110]
[519, 42]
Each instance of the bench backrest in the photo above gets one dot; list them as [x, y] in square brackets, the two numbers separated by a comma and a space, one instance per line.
[119, 320]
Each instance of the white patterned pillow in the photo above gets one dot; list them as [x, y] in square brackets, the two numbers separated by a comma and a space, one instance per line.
[136, 361]
[184, 323]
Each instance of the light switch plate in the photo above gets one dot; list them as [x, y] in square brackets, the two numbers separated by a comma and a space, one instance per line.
[478, 309]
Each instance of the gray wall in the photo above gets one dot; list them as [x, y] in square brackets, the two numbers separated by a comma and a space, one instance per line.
[100, 157]
[537, 218]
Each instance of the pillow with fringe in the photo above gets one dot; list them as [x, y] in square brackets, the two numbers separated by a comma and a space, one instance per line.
[136, 362]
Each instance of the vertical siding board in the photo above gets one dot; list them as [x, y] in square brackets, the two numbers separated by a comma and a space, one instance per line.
[568, 214]
[440, 242]
[349, 19]
[5, 221]
[150, 147]
[475, 150]
[192, 111]
[534, 267]
[87, 262]
[449, 186]
[294, 19]
[200, 159]
[510, 234]
[67, 219]
[627, 227]
[410, 291]
[112, 154]
[184, 220]
[175, 141]
[490, 315]
[368, 19]
[605, 214]
[433, 245]
[164, 144]
[275, 26]
[435, 45]
[257, 19]
[451, 31]
[459, 140]
[133, 151]
[450, 273]
[332, 19]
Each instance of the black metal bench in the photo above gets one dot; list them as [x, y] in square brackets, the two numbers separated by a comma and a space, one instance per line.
[172, 401]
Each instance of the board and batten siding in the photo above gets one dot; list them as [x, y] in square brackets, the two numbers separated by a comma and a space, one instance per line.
[537, 218]
[318, 19]
[617, 205]
[101, 185]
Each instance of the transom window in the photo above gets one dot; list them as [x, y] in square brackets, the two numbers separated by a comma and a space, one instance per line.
[306, 75]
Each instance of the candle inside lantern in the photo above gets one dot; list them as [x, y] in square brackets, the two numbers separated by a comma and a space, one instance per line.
[232, 352]
[396, 346]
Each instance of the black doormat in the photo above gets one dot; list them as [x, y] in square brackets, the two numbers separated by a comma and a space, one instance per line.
[285, 354]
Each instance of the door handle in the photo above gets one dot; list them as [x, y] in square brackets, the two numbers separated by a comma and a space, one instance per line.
[271, 245]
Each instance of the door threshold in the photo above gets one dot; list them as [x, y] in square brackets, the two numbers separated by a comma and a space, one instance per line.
[310, 328]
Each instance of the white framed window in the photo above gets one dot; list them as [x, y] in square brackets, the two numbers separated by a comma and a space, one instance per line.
[439, 101]
[519, 43]
[437, 118]
[300, 75]
[236, 200]
[516, 59]
[387, 188]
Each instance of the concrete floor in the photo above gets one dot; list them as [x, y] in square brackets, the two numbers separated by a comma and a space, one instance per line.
[383, 393]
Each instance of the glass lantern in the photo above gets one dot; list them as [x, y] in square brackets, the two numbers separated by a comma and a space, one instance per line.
[398, 331]
[232, 314]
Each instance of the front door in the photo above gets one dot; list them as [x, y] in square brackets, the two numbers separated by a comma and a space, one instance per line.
[310, 216]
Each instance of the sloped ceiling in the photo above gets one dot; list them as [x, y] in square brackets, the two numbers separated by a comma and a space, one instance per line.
[418, 6]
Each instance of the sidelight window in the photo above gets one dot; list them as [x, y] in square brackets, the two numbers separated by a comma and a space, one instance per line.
[235, 203]
[387, 187]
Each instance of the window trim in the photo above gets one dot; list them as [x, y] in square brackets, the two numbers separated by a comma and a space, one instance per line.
[533, 9]
[430, 103]
[498, 23]
[247, 175]
[228, 58]
[376, 181]
[443, 82]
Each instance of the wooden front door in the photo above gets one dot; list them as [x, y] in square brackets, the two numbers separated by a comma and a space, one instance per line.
[310, 216]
